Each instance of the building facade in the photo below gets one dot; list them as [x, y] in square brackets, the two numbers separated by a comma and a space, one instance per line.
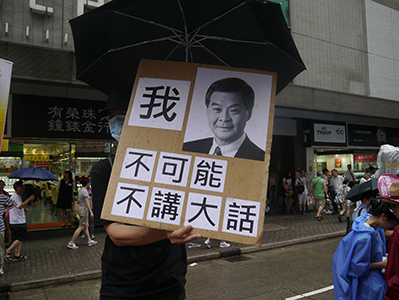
[351, 84]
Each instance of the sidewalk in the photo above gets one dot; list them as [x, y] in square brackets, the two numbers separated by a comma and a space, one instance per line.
[51, 262]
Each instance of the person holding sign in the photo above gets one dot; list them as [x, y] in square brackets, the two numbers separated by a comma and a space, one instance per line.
[137, 262]
[229, 103]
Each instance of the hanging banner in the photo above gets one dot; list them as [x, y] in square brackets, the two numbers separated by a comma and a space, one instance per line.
[195, 150]
[5, 81]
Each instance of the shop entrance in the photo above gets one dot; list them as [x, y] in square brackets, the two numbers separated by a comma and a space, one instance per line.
[338, 159]
[57, 158]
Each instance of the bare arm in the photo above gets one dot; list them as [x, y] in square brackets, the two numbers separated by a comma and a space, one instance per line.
[88, 206]
[8, 208]
[311, 187]
[25, 203]
[126, 235]
[378, 265]
[325, 188]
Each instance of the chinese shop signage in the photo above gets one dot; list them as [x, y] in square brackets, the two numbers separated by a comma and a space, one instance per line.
[168, 173]
[364, 158]
[51, 117]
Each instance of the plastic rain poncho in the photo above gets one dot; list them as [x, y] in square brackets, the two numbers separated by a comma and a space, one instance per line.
[352, 276]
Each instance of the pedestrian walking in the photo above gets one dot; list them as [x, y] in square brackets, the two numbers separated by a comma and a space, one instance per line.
[302, 191]
[222, 244]
[5, 204]
[273, 187]
[6, 218]
[18, 223]
[318, 188]
[65, 197]
[289, 193]
[84, 211]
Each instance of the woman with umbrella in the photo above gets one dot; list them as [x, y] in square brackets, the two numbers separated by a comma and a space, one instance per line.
[65, 198]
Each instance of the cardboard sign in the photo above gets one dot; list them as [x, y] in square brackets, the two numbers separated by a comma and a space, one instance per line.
[168, 172]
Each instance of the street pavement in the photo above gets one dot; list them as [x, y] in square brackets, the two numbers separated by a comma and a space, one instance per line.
[298, 272]
[51, 262]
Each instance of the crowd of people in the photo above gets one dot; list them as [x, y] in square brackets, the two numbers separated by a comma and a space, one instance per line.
[326, 192]
[13, 226]
[366, 262]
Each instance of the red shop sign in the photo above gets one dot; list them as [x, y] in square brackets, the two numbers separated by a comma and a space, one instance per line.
[364, 158]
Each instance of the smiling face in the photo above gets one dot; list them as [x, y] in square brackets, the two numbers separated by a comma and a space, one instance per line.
[227, 117]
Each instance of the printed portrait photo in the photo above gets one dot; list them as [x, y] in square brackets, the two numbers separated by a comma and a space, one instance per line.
[229, 114]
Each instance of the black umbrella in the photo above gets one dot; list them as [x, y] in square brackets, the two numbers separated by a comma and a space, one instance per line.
[111, 40]
[355, 193]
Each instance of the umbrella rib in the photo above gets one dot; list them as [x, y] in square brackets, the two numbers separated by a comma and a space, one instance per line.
[177, 32]
[217, 38]
[195, 31]
[130, 46]
[186, 35]
[226, 39]
[213, 54]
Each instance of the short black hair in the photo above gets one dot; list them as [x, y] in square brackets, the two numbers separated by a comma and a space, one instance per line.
[378, 208]
[84, 181]
[18, 184]
[69, 175]
[369, 194]
[232, 85]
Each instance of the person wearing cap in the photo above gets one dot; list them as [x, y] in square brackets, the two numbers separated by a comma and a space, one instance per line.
[360, 256]
[137, 262]
[388, 185]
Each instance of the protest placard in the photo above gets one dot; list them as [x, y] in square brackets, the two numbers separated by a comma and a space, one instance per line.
[195, 150]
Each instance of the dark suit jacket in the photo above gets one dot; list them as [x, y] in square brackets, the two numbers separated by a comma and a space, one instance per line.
[247, 150]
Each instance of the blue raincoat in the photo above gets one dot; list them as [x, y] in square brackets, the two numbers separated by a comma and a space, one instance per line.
[352, 276]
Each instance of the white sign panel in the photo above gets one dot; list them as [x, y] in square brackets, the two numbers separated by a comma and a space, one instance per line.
[173, 169]
[209, 174]
[328, 133]
[203, 211]
[166, 206]
[138, 164]
[130, 200]
[160, 103]
[241, 217]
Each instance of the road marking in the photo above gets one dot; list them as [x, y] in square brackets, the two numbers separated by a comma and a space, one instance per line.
[323, 290]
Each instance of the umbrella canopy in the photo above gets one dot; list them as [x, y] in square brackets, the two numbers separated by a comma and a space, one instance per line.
[33, 174]
[111, 40]
[355, 194]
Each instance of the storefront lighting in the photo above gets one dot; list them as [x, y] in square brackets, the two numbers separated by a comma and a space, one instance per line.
[34, 150]
[66, 38]
[27, 32]
[26, 150]
[47, 36]
[6, 28]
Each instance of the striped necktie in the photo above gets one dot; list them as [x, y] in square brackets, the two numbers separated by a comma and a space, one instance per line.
[217, 151]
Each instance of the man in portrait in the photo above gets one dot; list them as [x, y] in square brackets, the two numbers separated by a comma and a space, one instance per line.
[229, 104]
